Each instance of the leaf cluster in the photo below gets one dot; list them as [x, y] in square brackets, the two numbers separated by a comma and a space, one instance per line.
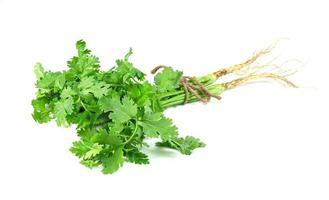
[114, 110]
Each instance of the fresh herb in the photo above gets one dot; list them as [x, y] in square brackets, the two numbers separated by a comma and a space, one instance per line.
[116, 110]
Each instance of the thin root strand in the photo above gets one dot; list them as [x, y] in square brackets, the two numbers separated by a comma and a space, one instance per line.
[246, 63]
[240, 81]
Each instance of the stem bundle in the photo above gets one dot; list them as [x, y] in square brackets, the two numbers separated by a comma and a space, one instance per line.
[203, 88]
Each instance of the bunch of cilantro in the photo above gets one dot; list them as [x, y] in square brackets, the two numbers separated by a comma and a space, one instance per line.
[115, 110]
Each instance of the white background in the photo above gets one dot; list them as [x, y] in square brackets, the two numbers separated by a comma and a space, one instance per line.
[264, 141]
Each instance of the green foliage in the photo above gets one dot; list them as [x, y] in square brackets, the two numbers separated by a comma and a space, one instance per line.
[184, 145]
[112, 162]
[122, 110]
[86, 149]
[167, 80]
[114, 110]
[41, 110]
[135, 156]
[154, 125]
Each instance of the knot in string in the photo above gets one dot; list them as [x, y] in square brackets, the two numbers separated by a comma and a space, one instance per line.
[191, 85]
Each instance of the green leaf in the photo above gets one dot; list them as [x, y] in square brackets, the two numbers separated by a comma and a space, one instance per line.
[38, 71]
[63, 108]
[41, 111]
[89, 85]
[184, 145]
[116, 127]
[167, 80]
[59, 82]
[121, 111]
[81, 47]
[90, 163]
[113, 162]
[99, 89]
[107, 138]
[79, 148]
[94, 150]
[86, 150]
[86, 83]
[135, 156]
[84, 64]
[51, 81]
[141, 93]
[154, 125]
[67, 92]
[125, 70]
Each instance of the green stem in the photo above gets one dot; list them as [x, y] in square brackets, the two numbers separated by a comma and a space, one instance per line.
[168, 94]
[83, 105]
[179, 102]
[132, 135]
[215, 89]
